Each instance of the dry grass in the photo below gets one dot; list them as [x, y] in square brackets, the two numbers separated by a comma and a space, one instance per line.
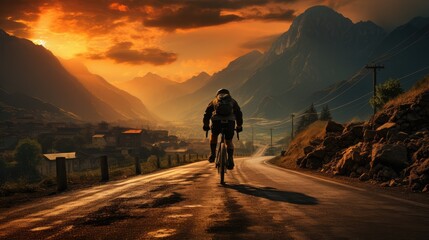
[410, 96]
[296, 147]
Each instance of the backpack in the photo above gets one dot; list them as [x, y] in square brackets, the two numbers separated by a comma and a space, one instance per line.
[223, 105]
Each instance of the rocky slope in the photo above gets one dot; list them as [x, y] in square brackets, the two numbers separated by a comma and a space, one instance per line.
[392, 148]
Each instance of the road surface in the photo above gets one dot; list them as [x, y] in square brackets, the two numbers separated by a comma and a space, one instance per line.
[260, 201]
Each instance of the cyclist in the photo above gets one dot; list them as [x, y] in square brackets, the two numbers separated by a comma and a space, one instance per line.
[224, 112]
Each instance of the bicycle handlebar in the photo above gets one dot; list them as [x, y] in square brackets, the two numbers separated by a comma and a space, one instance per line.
[238, 134]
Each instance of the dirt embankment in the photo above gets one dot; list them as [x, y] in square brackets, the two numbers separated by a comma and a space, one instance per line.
[392, 148]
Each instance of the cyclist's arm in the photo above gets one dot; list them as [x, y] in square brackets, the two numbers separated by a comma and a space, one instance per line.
[238, 114]
[208, 114]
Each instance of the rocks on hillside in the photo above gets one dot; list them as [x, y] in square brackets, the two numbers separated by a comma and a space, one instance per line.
[392, 148]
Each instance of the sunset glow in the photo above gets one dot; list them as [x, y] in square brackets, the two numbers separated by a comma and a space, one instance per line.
[176, 39]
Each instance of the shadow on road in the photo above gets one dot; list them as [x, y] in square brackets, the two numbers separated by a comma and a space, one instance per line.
[274, 194]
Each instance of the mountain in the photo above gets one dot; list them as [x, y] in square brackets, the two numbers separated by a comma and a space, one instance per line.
[195, 82]
[403, 52]
[152, 89]
[29, 69]
[321, 47]
[15, 106]
[127, 105]
[321, 59]
[191, 106]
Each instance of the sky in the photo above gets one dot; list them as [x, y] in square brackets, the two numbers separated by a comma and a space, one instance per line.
[177, 39]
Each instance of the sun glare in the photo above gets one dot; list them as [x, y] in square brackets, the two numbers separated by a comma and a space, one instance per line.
[40, 42]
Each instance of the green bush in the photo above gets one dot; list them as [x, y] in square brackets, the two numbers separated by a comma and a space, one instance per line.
[28, 154]
[385, 92]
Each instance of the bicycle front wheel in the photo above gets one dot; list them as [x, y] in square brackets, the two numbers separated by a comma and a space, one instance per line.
[223, 156]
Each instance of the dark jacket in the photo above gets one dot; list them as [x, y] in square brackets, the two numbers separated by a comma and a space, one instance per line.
[210, 114]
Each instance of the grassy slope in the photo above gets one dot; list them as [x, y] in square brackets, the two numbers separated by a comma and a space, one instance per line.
[296, 147]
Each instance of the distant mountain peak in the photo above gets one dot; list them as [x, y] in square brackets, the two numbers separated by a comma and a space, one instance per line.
[419, 22]
[320, 15]
[203, 74]
[151, 74]
[320, 9]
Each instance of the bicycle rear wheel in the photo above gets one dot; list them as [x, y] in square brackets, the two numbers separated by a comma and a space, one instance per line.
[222, 167]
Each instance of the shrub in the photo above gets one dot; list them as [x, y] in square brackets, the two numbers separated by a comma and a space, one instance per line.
[385, 92]
[28, 154]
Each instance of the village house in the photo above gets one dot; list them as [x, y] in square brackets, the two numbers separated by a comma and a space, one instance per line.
[131, 138]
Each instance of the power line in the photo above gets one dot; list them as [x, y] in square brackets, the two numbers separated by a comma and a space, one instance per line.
[354, 84]
[348, 103]
[413, 73]
[383, 56]
[406, 47]
[386, 55]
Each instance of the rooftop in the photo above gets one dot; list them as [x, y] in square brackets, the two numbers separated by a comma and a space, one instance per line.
[54, 156]
[132, 131]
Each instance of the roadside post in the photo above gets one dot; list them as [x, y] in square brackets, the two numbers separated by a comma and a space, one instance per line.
[104, 169]
[61, 173]
[138, 166]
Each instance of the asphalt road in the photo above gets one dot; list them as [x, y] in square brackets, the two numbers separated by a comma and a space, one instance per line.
[259, 201]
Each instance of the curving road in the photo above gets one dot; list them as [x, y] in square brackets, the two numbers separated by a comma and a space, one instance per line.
[260, 201]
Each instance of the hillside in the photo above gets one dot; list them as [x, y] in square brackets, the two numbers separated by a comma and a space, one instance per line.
[29, 69]
[18, 106]
[130, 107]
[391, 148]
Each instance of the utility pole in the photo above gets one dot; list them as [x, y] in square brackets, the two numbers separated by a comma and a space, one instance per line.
[271, 131]
[374, 67]
[291, 133]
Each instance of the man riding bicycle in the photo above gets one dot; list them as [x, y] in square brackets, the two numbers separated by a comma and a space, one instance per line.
[224, 112]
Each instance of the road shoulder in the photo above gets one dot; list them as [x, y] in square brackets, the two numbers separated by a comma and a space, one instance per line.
[400, 192]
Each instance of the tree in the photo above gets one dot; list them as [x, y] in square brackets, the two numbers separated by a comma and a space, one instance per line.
[385, 92]
[325, 114]
[309, 117]
[28, 154]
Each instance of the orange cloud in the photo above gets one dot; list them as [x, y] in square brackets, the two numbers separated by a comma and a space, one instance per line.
[123, 52]
[119, 7]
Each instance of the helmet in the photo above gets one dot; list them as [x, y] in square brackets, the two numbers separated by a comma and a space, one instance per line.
[222, 90]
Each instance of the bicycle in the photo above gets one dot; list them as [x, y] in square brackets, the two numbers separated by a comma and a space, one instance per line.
[221, 159]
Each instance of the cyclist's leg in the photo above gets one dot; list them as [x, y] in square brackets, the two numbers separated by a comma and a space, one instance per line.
[229, 135]
[216, 129]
